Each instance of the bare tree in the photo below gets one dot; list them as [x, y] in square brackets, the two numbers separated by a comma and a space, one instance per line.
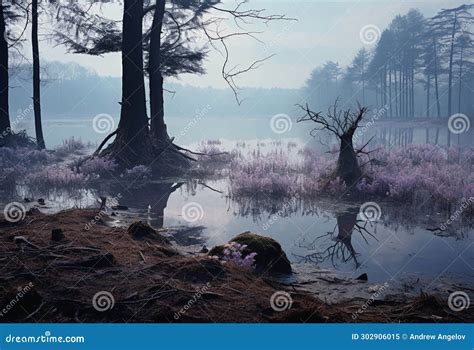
[343, 124]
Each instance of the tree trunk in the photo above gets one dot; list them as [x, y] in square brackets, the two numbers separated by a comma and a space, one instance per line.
[450, 76]
[132, 145]
[428, 87]
[363, 89]
[36, 75]
[347, 165]
[390, 89]
[460, 80]
[395, 91]
[413, 90]
[158, 127]
[4, 83]
[438, 106]
[400, 88]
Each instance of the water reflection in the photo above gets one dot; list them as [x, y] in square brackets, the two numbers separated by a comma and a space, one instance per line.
[340, 240]
[150, 197]
[328, 233]
[150, 200]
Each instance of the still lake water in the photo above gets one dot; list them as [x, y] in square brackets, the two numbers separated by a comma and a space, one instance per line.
[190, 131]
[398, 244]
[395, 245]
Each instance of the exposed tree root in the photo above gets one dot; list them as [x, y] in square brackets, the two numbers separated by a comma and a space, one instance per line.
[162, 155]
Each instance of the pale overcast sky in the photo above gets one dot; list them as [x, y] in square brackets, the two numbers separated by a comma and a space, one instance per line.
[324, 30]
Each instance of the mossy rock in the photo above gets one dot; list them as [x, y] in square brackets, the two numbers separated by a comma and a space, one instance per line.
[140, 230]
[270, 256]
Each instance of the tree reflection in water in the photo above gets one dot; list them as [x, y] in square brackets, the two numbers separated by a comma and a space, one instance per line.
[341, 247]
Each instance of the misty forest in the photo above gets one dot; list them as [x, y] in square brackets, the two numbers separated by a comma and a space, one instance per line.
[236, 161]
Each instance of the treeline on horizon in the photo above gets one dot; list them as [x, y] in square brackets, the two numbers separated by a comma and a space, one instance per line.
[419, 67]
[65, 81]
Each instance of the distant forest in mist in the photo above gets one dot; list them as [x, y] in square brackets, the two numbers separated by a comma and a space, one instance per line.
[65, 82]
[417, 67]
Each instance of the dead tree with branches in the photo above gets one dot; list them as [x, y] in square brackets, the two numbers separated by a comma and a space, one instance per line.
[341, 246]
[343, 124]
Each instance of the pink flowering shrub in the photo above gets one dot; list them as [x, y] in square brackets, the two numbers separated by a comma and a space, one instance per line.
[280, 173]
[70, 146]
[16, 162]
[420, 171]
[270, 174]
[98, 166]
[55, 177]
[23, 157]
[139, 172]
[234, 255]
[416, 173]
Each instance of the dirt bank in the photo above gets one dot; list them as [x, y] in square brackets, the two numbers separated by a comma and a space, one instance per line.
[92, 272]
